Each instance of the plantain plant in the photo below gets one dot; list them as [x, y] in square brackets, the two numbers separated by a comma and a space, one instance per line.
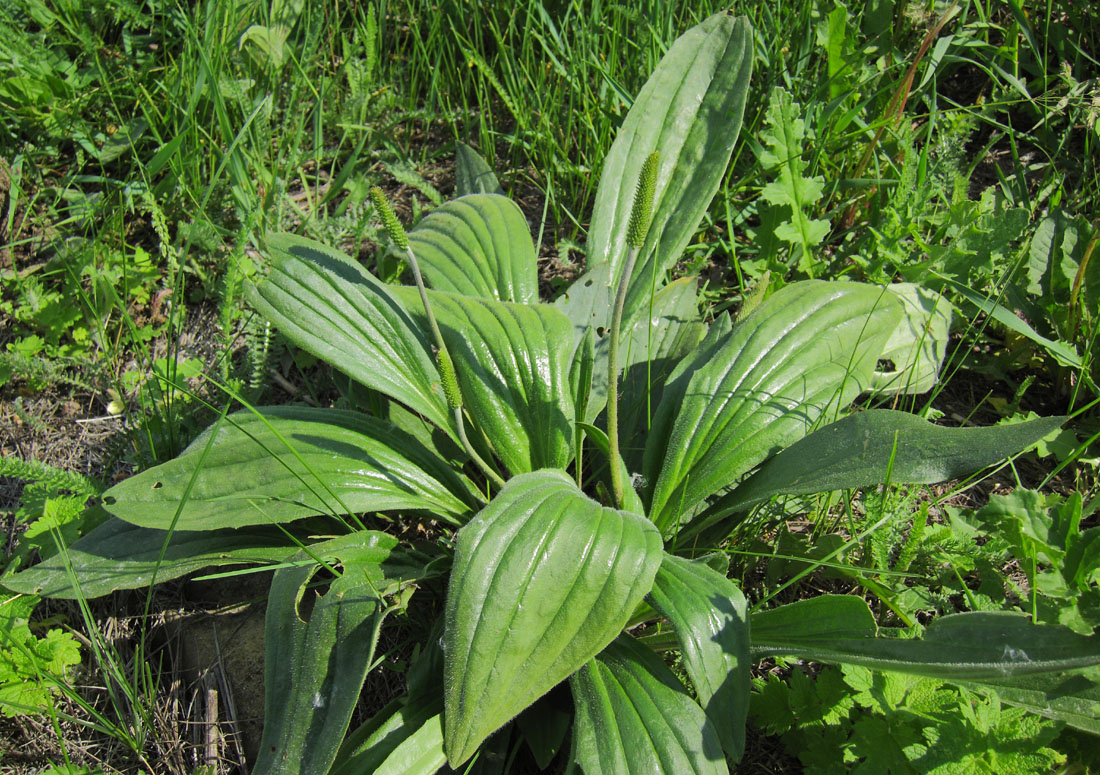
[572, 463]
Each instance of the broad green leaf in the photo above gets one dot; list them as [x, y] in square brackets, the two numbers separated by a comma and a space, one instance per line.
[512, 362]
[918, 345]
[314, 670]
[969, 646]
[652, 348]
[473, 175]
[822, 617]
[859, 450]
[634, 716]
[587, 303]
[581, 377]
[286, 463]
[286, 12]
[397, 735]
[708, 612]
[805, 352]
[117, 555]
[421, 753]
[478, 245]
[665, 330]
[328, 305]
[402, 734]
[268, 44]
[543, 579]
[690, 110]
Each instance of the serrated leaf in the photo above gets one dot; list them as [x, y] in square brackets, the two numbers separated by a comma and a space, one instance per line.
[328, 305]
[512, 362]
[314, 670]
[478, 245]
[807, 350]
[858, 451]
[690, 110]
[1053, 256]
[633, 716]
[544, 578]
[710, 617]
[285, 463]
[31, 667]
[473, 175]
[118, 555]
[405, 173]
[784, 137]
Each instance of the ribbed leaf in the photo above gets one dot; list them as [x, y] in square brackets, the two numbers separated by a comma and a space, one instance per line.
[421, 753]
[544, 578]
[710, 617]
[587, 303]
[652, 349]
[513, 364]
[690, 110]
[858, 450]
[328, 305]
[917, 347]
[408, 740]
[286, 463]
[969, 646]
[634, 716]
[473, 175]
[478, 245]
[117, 555]
[664, 333]
[314, 669]
[399, 734]
[804, 352]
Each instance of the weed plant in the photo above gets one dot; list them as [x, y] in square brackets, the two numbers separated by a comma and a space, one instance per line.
[145, 148]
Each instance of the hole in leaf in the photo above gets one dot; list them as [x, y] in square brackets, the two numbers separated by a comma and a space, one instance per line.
[588, 283]
[600, 330]
[886, 365]
[109, 501]
[157, 485]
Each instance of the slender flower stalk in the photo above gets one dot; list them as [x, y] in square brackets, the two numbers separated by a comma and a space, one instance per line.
[442, 357]
[636, 230]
